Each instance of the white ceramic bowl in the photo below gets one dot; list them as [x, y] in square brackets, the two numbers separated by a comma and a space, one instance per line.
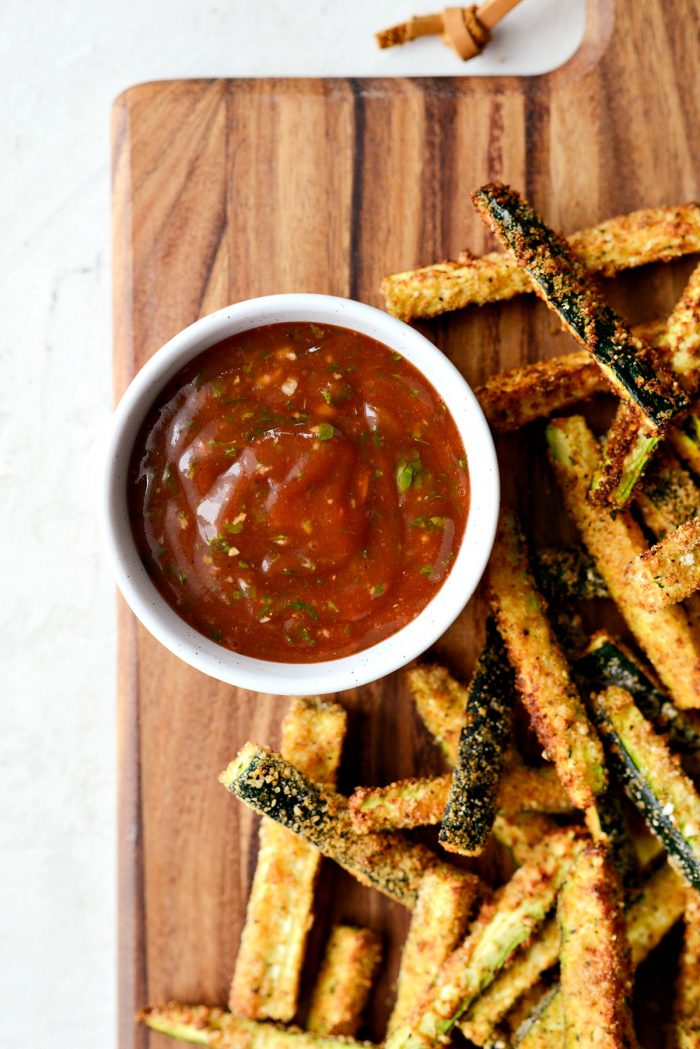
[329, 675]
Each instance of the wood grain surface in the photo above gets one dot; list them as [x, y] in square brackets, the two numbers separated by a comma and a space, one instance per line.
[226, 189]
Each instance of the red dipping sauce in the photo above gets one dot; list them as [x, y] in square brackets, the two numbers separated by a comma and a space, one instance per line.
[298, 492]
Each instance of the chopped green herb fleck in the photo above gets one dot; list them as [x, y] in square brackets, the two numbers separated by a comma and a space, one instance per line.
[426, 570]
[378, 590]
[324, 431]
[326, 394]
[404, 476]
[303, 606]
[332, 607]
[317, 332]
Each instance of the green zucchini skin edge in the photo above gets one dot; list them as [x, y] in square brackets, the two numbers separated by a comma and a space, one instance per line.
[472, 801]
[643, 797]
[566, 287]
[605, 663]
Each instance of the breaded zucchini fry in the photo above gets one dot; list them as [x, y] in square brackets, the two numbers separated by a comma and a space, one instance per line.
[652, 778]
[203, 1025]
[666, 636]
[685, 1033]
[473, 796]
[273, 787]
[668, 497]
[517, 910]
[608, 662]
[280, 907]
[542, 673]
[564, 283]
[525, 970]
[438, 923]
[631, 439]
[650, 235]
[411, 803]
[656, 910]
[596, 977]
[344, 981]
[440, 702]
[627, 448]
[670, 571]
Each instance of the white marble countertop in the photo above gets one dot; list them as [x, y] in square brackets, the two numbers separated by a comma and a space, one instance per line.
[62, 65]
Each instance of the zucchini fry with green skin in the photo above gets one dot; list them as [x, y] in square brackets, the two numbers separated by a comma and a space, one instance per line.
[628, 446]
[624, 242]
[608, 662]
[567, 572]
[669, 496]
[517, 910]
[564, 283]
[473, 796]
[514, 398]
[273, 787]
[653, 779]
[203, 1025]
[411, 803]
[438, 923]
[542, 674]
[344, 981]
[280, 907]
[521, 975]
[666, 636]
[670, 571]
[596, 976]
[685, 1032]
[655, 911]
[440, 701]
[631, 438]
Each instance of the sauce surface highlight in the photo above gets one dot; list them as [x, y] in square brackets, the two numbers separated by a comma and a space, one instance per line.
[298, 492]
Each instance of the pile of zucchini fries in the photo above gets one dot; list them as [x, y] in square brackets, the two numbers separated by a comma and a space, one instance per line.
[602, 833]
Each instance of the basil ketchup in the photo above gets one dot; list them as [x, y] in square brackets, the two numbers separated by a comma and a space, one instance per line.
[298, 492]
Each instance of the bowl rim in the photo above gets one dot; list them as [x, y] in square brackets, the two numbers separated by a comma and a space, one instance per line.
[384, 657]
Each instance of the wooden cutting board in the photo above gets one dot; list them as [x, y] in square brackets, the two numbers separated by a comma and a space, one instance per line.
[225, 189]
